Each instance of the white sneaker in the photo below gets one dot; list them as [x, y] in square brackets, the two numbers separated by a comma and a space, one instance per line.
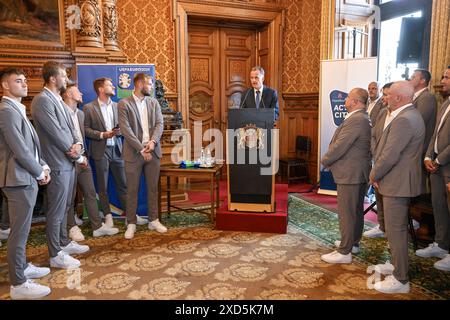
[355, 249]
[105, 231]
[131, 229]
[64, 261]
[78, 221]
[75, 234]
[432, 250]
[109, 221]
[75, 248]
[33, 272]
[391, 285]
[29, 290]
[141, 221]
[416, 224]
[156, 225]
[443, 264]
[375, 232]
[385, 268]
[4, 234]
[336, 257]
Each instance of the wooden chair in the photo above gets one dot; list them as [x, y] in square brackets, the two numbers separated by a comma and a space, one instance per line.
[297, 168]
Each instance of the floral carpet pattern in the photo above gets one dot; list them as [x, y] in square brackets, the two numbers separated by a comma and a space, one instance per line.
[194, 261]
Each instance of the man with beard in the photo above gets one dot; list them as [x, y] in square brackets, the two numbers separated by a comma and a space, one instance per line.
[141, 123]
[61, 149]
[72, 97]
[105, 145]
[21, 170]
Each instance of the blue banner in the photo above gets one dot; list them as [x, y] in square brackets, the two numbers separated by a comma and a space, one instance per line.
[337, 103]
[122, 78]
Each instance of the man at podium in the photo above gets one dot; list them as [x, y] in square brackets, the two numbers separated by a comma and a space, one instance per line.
[259, 96]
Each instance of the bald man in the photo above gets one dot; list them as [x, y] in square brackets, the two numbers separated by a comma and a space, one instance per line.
[349, 160]
[397, 174]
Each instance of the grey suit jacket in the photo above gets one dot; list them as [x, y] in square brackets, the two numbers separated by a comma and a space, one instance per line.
[18, 143]
[131, 127]
[348, 155]
[55, 130]
[443, 141]
[427, 106]
[398, 155]
[94, 125]
[376, 112]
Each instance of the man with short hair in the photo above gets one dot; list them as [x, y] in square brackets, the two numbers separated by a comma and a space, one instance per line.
[259, 95]
[349, 160]
[437, 163]
[105, 145]
[425, 102]
[375, 102]
[72, 97]
[397, 174]
[61, 148]
[22, 169]
[141, 123]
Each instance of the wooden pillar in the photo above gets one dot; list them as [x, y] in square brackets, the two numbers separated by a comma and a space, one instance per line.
[90, 32]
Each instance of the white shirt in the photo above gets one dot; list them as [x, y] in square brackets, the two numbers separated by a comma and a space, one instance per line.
[418, 93]
[371, 105]
[260, 95]
[76, 124]
[439, 128]
[108, 117]
[23, 112]
[351, 113]
[392, 115]
[143, 113]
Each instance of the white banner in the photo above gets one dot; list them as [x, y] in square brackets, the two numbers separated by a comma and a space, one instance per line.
[337, 78]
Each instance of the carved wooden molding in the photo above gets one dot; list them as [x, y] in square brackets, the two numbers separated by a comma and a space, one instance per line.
[295, 101]
[110, 25]
[89, 34]
[269, 5]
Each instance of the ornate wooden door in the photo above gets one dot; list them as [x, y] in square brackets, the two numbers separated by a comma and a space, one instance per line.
[220, 59]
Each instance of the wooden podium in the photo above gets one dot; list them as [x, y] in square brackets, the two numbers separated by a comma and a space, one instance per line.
[250, 158]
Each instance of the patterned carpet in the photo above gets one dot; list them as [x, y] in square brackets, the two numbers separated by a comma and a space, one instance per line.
[193, 261]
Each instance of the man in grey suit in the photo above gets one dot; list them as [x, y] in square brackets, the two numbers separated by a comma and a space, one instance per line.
[61, 148]
[397, 173]
[425, 102]
[377, 130]
[375, 102]
[21, 170]
[105, 146]
[141, 123]
[349, 160]
[437, 163]
[72, 97]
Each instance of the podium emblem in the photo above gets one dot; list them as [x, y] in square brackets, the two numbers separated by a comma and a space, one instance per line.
[251, 137]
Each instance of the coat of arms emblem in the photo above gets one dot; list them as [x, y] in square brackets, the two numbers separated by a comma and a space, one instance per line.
[251, 137]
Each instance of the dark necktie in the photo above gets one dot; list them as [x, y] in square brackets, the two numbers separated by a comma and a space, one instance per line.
[258, 99]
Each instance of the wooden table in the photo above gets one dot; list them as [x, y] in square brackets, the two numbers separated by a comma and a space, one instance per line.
[211, 174]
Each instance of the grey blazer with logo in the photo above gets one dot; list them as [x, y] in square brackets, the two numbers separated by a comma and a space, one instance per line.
[427, 106]
[18, 165]
[94, 125]
[131, 127]
[55, 129]
[398, 154]
[348, 155]
[443, 141]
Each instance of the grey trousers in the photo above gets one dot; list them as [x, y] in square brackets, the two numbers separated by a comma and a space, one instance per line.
[380, 211]
[396, 212]
[4, 222]
[441, 209]
[83, 178]
[111, 159]
[133, 172]
[351, 214]
[59, 196]
[21, 201]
